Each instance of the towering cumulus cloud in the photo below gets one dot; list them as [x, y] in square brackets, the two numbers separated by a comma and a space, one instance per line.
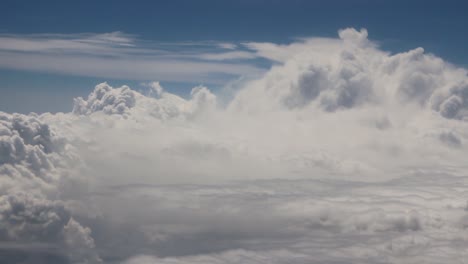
[351, 72]
[340, 153]
[35, 165]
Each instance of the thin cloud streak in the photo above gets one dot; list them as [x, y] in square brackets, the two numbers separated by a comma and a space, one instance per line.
[121, 56]
[128, 68]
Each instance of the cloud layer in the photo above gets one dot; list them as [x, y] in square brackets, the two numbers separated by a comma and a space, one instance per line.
[340, 153]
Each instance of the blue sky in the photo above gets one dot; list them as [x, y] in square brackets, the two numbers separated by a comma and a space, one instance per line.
[176, 42]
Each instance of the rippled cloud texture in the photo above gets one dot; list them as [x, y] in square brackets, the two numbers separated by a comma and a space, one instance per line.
[340, 153]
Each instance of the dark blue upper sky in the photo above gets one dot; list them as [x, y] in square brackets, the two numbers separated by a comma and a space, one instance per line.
[438, 26]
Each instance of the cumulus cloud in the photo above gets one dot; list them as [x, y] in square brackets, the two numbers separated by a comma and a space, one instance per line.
[340, 153]
[37, 166]
[106, 99]
[350, 72]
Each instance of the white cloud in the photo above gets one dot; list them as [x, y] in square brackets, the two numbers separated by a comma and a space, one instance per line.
[74, 43]
[227, 45]
[106, 99]
[341, 153]
[233, 55]
[37, 170]
[129, 67]
[122, 56]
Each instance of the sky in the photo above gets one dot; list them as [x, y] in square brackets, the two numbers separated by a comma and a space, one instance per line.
[233, 132]
[161, 25]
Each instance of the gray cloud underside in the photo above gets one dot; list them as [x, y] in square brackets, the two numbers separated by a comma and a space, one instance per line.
[340, 153]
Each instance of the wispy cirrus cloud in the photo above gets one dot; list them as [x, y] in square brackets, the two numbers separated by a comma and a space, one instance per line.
[123, 56]
[66, 43]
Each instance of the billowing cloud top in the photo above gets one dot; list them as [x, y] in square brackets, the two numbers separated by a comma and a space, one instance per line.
[350, 72]
[340, 153]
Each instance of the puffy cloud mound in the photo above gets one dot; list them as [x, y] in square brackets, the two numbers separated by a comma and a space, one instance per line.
[30, 152]
[27, 218]
[451, 101]
[340, 153]
[350, 72]
[106, 99]
[35, 167]
[123, 101]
